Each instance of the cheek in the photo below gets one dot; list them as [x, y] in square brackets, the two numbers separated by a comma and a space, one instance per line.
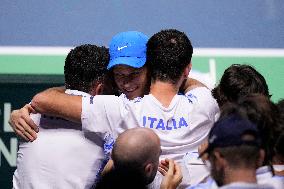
[136, 80]
[118, 81]
[133, 81]
[145, 79]
[140, 80]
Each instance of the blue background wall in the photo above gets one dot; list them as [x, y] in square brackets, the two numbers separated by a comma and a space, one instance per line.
[222, 23]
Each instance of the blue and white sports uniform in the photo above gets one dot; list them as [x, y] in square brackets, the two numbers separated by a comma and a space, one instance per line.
[62, 156]
[182, 126]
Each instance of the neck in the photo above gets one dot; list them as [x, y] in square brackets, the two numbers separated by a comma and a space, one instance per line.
[163, 92]
[240, 175]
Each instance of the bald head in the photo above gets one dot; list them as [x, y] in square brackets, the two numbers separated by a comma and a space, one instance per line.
[136, 149]
[140, 145]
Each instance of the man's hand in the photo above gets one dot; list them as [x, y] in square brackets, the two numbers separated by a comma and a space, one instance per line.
[171, 172]
[201, 149]
[22, 124]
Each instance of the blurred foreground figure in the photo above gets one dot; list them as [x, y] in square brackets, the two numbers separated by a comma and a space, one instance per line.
[234, 153]
[135, 161]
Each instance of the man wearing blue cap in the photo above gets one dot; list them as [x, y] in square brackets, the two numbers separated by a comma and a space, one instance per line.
[234, 149]
[128, 64]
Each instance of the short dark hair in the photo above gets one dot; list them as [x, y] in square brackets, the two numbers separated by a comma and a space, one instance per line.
[85, 66]
[168, 53]
[237, 81]
[243, 156]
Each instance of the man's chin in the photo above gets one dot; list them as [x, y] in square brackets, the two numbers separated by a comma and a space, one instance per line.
[131, 95]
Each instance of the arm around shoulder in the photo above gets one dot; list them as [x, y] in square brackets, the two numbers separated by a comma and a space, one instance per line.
[55, 102]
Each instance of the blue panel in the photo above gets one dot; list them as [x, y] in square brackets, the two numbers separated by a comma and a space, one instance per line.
[222, 23]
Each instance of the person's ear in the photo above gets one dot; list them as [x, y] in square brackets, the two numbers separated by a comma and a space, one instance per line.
[99, 89]
[190, 66]
[220, 162]
[149, 169]
[187, 70]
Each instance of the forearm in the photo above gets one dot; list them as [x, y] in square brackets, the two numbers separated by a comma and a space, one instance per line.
[55, 102]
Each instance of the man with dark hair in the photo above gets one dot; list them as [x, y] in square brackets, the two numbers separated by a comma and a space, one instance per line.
[181, 121]
[85, 69]
[165, 51]
[235, 153]
[53, 160]
[238, 81]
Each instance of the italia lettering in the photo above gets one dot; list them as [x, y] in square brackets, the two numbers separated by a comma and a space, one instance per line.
[152, 119]
[182, 123]
[160, 124]
[168, 127]
[174, 123]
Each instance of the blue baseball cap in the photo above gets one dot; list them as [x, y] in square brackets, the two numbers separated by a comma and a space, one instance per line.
[230, 131]
[128, 48]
